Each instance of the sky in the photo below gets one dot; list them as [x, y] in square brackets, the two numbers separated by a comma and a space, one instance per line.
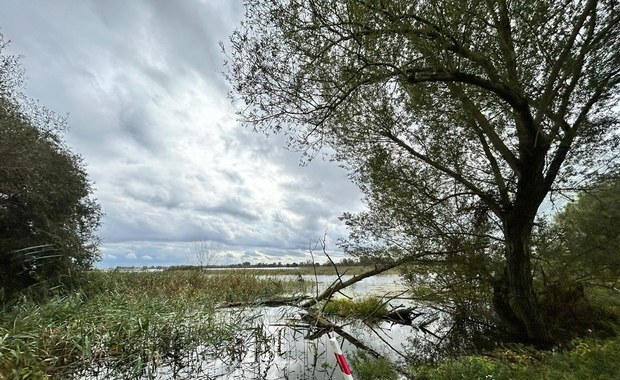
[143, 86]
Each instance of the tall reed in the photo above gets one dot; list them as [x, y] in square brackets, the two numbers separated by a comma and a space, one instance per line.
[129, 325]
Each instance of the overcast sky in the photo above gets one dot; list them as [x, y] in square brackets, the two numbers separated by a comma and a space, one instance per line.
[143, 86]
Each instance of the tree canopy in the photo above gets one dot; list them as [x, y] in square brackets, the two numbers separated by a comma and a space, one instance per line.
[582, 245]
[47, 213]
[456, 118]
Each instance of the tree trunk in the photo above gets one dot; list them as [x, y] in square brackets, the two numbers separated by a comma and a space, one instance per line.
[501, 305]
[517, 231]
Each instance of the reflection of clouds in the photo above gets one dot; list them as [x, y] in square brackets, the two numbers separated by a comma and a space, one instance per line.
[149, 113]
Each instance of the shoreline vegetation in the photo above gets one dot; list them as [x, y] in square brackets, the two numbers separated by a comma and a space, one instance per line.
[262, 269]
[458, 128]
[132, 324]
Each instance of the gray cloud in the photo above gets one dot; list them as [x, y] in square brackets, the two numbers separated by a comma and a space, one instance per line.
[141, 81]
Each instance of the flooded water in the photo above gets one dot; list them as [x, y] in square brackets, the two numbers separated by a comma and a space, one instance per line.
[278, 343]
[283, 346]
[378, 286]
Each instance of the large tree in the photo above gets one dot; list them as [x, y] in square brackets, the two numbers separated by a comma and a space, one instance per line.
[47, 213]
[458, 118]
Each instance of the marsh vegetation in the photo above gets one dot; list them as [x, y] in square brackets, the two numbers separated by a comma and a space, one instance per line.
[175, 324]
[133, 325]
[459, 128]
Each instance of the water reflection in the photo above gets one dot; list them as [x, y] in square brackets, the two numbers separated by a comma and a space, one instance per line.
[280, 343]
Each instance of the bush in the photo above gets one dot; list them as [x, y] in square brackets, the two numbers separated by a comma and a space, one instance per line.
[369, 309]
[47, 213]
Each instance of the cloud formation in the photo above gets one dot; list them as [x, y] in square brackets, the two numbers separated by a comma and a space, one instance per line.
[142, 83]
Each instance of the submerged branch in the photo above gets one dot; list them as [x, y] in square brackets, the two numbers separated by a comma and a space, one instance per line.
[275, 302]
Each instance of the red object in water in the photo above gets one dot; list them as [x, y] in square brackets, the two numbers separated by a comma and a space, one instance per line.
[340, 359]
[342, 363]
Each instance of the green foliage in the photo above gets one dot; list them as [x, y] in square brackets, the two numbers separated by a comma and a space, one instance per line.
[587, 359]
[570, 313]
[368, 309]
[592, 228]
[130, 324]
[580, 250]
[47, 214]
[455, 124]
[366, 367]
[592, 357]
[582, 246]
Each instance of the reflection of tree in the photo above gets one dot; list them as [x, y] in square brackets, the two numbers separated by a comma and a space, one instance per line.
[206, 253]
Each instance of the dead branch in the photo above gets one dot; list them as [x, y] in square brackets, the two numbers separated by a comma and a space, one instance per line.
[275, 302]
[338, 286]
[325, 326]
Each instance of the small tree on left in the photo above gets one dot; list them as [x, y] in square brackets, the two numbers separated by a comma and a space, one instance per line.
[47, 213]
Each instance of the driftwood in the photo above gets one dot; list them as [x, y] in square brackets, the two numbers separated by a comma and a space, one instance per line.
[404, 316]
[339, 285]
[275, 302]
[325, 326]
[318, 325]
[306, 301]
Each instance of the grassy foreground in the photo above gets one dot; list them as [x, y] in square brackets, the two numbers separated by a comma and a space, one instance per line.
[128, 324]
[592, 357]
[587, 359]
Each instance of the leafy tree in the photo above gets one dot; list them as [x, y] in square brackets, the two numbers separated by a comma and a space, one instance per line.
[457, 118]
[582, 246]
[47, 214]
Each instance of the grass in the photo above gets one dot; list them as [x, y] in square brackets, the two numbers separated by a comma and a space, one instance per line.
[592, 357]
[368, 309]
[587, 359]
[129, 324]
[213, 287]
[366, 367]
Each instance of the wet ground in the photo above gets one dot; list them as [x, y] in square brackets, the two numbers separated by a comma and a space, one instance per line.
[288, 348]
[276, 343]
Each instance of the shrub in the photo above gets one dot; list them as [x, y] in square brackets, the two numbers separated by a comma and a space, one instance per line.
[369, 309]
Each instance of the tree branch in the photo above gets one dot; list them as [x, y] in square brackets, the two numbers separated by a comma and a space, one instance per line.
[488, 200]
[548, 93]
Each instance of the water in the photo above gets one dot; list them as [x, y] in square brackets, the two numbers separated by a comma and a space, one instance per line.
[284, 346]
[377, 286]
[277, 343]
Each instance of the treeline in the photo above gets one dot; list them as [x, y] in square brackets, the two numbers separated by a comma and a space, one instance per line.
[246, 264]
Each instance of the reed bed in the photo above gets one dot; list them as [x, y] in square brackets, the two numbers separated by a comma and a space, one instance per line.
[130, 325]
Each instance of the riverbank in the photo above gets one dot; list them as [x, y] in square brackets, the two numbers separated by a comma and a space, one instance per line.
[589, 358]
[166, 324]
[592, 357]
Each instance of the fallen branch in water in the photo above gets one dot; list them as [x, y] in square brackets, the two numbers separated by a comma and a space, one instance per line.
[305, 302]
[339, 285]
[324, 326]
[315, 321]
[275, 302]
